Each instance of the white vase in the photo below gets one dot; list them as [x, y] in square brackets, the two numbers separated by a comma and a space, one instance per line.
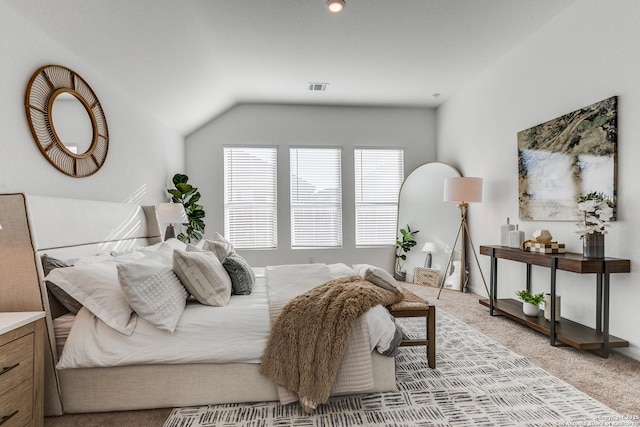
[529, 309]
[547, 307]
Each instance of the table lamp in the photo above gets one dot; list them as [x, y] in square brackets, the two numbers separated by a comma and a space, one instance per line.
[429, 248]
[171, 213]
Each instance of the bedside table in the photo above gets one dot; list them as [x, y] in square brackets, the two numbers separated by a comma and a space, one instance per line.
[21, 369]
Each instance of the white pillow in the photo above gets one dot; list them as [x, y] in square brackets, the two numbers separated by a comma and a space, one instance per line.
[219, 246]
[97, 288]
[164, 252]
[154, 291]
[204, 276]
[378, 277]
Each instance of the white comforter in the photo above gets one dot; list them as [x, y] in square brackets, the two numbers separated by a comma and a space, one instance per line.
[234, 333]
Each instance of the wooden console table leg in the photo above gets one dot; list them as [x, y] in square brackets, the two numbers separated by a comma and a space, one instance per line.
[552, 320]
[528, 282]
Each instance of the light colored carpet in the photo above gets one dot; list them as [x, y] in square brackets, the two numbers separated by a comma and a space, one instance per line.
[614, 381]
[477, 382]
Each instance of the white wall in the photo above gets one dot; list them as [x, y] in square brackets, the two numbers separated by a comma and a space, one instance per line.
[587, 54]
[287, 125]
[142, 152]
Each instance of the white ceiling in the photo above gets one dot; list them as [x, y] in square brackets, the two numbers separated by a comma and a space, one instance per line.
[189, 60]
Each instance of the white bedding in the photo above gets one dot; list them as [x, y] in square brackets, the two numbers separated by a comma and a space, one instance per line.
[242, 326]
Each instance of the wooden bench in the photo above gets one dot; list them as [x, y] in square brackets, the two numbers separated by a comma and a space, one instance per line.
[414, 306]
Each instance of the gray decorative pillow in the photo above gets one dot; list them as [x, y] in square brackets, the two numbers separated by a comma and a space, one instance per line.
[241, 274]
[154, 291]
[69, 302]
[203, 276]
[383, 279]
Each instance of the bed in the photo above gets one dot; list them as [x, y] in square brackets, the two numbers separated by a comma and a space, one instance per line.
[69, 228]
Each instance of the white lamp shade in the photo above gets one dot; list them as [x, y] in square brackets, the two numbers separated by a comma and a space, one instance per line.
[171, 213]
[463, 190]
[429, 247]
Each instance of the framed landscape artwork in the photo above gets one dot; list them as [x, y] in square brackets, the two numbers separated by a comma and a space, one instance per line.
[571, 155]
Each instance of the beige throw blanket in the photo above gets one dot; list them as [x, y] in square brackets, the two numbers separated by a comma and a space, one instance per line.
[309, 337]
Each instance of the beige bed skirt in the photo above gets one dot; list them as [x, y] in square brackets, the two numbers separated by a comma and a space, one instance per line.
[169, 386]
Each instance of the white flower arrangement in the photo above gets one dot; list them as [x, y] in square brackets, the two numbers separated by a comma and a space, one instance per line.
[596, 210]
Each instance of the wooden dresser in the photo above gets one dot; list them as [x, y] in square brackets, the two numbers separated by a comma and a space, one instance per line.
[21, 369]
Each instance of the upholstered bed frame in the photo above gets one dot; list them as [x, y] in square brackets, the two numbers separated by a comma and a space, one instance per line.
[66, 228]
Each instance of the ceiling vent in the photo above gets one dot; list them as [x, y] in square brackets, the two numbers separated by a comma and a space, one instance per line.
[318, 87]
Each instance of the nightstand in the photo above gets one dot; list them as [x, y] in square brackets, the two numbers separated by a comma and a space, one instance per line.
[22, 369]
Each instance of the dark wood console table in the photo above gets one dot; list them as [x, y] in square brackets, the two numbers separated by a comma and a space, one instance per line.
[562, 330]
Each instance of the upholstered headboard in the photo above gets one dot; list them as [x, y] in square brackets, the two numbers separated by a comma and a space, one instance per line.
[64, 228]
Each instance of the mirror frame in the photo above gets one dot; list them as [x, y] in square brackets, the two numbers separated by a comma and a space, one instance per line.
[46, 84]
[456, 241]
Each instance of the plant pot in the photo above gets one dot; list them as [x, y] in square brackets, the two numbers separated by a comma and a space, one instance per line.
[593, 246]
[530, 309]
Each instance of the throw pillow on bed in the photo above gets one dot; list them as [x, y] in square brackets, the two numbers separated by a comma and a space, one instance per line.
[97, 288]
[69, 302]
[241, 274]
[219, 246]
[154, 291]
[203, 276]
[378, 277]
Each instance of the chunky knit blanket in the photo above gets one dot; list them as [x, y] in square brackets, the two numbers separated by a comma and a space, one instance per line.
[309, 337]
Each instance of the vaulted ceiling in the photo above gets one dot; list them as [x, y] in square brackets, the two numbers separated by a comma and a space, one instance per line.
[189, 60]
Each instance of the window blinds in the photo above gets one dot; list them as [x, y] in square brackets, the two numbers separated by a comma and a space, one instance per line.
[250, 197]
[378, 177]
[316, 198]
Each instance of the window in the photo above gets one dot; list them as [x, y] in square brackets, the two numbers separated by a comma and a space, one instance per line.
[250, 197]
[316, 198]
[378, 177]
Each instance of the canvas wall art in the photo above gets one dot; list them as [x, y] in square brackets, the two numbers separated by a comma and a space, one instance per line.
[567, 156]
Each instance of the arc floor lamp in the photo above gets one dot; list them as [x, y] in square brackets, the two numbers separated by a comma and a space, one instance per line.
[463, 190]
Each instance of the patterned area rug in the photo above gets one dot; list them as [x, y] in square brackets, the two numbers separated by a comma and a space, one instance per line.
[477, 382]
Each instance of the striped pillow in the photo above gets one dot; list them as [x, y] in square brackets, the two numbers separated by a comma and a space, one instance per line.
[202, 274]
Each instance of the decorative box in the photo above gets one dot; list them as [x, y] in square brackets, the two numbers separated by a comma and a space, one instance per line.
[545, 248]
[426, 276]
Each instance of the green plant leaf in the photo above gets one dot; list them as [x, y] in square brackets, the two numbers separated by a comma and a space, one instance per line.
[180, 179]
[175, 193]
[184, 188]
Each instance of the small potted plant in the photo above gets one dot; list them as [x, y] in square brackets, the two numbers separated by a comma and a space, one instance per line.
[530, 302]
[402, 247]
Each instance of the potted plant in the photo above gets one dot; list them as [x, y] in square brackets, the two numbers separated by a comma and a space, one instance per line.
[188, 196]
[530, 302]
[402, 247]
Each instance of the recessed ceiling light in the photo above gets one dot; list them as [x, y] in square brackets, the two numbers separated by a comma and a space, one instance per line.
[335, 6]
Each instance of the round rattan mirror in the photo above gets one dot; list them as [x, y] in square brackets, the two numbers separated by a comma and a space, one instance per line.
[50, 89]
